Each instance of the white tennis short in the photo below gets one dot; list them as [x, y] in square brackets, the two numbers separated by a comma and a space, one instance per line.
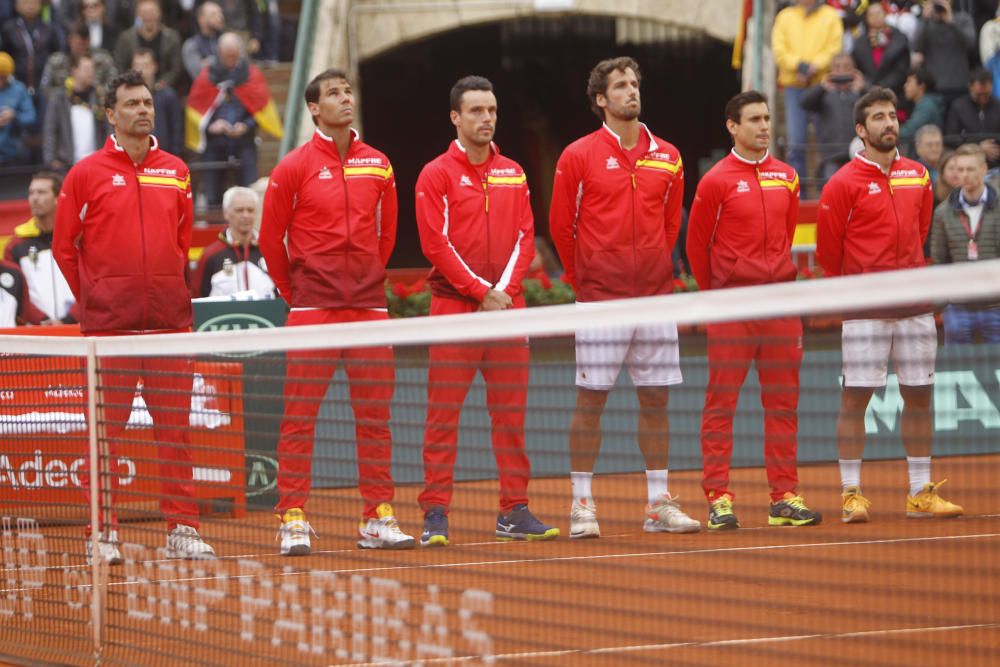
[867, 344]
[650, 352]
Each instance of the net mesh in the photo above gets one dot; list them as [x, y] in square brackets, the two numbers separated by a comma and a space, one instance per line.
[185, 431]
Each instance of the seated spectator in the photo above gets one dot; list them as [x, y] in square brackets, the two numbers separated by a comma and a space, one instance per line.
[833, 100]
[975, 117]
[928, 107]
[152, 34]
[227, 103]
[234, 263]
[50, 300]
[94, 15]
[929, 147]
[945, 41]
[882, 53]
[966, 228]
[13, 295]
[168, 127]
[203, 45]
[75, 124]
[17, 112]
[57, 68]
[948, 179]
[30, 40]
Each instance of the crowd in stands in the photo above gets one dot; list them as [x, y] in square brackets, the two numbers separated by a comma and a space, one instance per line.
[57, 58]
[940, 57]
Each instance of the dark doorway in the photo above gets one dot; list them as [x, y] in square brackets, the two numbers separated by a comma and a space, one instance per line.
[539, 68]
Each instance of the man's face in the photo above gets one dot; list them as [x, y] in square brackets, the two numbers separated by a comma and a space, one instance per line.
[29, 9]
[41, 197]
[881, 128]
[981, 92]
[477, 119]
[875, 17]
[211, 18]
[335, 107]
[133, 113]
[145, 65]
[241, 214]
[229, 55]
[842, 65]
[621, 100]
[83, 74]
[753, 132]
[78, 45]
[971, 172]
[93, 11]
[929, 148]
[148, 14]
[911, 88]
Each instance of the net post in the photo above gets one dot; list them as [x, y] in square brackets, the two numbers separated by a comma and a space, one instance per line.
[96, 561]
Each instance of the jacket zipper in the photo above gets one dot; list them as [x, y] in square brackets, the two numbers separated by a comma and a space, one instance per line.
[763, 210]
[347, 223]
[895, 213]
[142, 236]
[486, 207]
[635, 252]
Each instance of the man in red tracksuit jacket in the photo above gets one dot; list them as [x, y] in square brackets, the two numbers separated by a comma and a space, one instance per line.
[476, 228]
[121, 239]
[874, 215]
[740, 233]
[614, 218]
[334, 198]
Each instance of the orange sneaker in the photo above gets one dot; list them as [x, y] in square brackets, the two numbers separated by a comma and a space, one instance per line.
[855, 506]
[928, 504]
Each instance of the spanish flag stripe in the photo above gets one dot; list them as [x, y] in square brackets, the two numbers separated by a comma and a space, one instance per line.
[384, 172]
[903, 182]
[164, 180]
[507, 180]
[660, 164]
[778, 184]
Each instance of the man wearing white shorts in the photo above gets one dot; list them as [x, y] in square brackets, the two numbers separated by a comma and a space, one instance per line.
[614, 218]
[888, 201]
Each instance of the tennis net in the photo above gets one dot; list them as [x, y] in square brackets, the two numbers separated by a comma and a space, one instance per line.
[122, 438]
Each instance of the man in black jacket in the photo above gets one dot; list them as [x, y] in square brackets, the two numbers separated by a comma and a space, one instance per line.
[169, 129]
[833, 100]
[976, 118]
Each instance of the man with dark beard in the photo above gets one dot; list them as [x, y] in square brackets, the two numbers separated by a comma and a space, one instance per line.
[889, 202]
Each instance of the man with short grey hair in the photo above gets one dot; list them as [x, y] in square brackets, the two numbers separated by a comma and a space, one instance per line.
[928, 143]
[234, 263]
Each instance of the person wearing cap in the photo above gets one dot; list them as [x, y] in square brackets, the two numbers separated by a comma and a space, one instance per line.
[17, 112]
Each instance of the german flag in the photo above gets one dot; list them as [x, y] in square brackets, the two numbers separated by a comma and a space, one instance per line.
[205, 97]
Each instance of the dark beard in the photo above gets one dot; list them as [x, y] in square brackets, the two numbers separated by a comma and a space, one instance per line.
[883, 144]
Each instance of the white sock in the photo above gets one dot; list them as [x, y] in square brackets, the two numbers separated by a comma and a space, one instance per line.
[919, 468]
[581, 485]
[850, 473]
[656, 484]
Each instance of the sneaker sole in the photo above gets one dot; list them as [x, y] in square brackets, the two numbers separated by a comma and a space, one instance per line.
[434, 541]
[856, 518]
[724, 526]
[785, 521]
[651, 526]
[113, 561]
[298, 550]
[177, 555]
[585, 534]
[910, 514]
[392, 546]
[550, 534]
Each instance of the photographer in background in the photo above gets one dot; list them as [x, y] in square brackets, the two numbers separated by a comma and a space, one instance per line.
[945, 41]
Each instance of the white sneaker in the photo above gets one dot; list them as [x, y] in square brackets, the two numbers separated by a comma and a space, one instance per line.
[583, 519]
[384, 532]
[294, 533]
[665, 516]
[107, 548]
[185, 542]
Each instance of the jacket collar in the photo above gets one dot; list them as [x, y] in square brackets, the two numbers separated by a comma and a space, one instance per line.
[28, 229]
[113, 144]
[326, 142]
[457, 151]
[618, 140]
[990, 195]
[860, 157]
[226, 237]
[752, 163]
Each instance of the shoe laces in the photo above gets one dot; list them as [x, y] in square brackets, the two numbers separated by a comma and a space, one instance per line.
[795, 501]
[295, 526]
[932, 487]
[185, 537]
[853, 500]
[722, 506]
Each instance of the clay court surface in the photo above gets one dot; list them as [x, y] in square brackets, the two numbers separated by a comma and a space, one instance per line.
[891, 592]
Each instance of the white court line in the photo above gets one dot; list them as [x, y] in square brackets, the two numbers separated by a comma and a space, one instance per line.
[704, 644]
[585, 557]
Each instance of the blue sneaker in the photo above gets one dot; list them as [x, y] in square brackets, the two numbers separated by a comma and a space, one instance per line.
[435, 528]
[521, 524]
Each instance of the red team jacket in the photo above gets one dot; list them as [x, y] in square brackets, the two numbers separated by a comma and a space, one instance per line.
[615, 223]
[340, 218]
[889, 217]
[477, 230]
[121, 239]
[742, 223]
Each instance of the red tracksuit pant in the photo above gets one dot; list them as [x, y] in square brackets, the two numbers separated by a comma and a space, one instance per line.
[371, 373]
[504, 365]
[166, 390]
[776, 347]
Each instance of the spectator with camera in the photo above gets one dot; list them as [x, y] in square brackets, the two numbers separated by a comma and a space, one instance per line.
[833, 102]
[944, 42]
[975, 117]
[57, 67]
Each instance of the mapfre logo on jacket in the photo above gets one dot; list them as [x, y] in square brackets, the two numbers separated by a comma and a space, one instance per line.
[122, 237]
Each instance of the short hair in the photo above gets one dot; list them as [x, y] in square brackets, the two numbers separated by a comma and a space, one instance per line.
[200, 9]
[465, 84]
[233, 192]
[924, 130]
[146, 2]
[734, 107]
[146, 51]
[975, 150]
[80, 29]
[923, 77]
[597, 82]
[979, 75]
[130, 79]
[875, 95]
[234, 37]
[76, 58]
[50, 176]
[313, 87]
